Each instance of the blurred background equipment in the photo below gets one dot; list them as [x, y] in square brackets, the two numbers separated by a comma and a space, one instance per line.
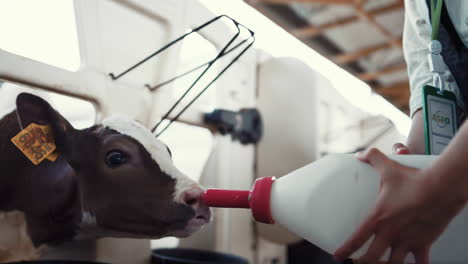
[244, 125]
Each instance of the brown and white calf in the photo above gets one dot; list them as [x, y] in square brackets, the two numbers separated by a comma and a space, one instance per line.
[113, 179]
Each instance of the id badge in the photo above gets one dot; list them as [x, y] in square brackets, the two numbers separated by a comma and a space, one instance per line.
[440, 119]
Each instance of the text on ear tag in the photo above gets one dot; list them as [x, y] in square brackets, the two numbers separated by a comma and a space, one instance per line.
[36, 142]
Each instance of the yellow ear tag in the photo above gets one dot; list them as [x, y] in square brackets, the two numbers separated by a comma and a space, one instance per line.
[53, 156]
[37, 143]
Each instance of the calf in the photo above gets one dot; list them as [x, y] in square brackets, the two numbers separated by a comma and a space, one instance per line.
[113, 179]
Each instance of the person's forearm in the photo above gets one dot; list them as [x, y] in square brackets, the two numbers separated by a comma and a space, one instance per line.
[415, 141]
[451, 169]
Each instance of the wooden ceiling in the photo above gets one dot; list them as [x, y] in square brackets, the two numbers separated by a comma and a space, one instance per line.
[363, 55]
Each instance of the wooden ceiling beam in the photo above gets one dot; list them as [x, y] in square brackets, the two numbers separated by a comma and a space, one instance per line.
[335, 2]
[395, 90]
[311, 31]
[370, 76]
[398, 94]
[355, 55]
[400, 102]
[387, 34]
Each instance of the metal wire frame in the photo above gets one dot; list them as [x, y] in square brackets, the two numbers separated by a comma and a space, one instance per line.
[248, 42]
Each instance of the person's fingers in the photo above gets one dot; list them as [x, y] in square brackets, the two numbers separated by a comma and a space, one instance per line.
[400, 149]
[398, 255]
[357, 239]
[377, 248]
[421, 256]
[376, 159]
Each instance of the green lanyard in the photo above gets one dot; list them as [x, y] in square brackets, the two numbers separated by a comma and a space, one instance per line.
[436, 63]
[439, 105]
[436, 8]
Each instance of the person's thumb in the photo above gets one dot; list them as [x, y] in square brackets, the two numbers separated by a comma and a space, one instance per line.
[400, 149]
[375, 158]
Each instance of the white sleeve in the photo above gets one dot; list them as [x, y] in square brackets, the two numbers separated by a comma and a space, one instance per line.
[416, 38]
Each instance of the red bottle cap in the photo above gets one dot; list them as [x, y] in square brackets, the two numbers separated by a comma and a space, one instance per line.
[258, 199]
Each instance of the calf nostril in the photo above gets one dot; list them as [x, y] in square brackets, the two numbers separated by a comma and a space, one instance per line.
[191, 201]
[192, 198]
[203, 213]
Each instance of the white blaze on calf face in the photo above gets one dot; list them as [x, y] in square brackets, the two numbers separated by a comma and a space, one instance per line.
[155, 148]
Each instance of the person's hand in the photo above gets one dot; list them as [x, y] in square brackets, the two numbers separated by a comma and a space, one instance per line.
[411, 211]
[415, 142]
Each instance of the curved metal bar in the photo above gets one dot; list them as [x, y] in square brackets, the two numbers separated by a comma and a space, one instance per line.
[153, 88]
[196, 80]
[204, 89]
[112, 75]
[227, 49]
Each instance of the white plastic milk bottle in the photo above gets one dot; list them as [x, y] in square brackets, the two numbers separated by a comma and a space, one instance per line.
[325, 201]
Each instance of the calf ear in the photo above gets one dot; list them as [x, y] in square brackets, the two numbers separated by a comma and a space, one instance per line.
[33, 109]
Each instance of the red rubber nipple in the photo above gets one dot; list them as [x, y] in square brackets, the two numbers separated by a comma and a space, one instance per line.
[258, 199]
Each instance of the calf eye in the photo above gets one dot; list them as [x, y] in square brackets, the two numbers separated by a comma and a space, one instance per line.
[115, 158]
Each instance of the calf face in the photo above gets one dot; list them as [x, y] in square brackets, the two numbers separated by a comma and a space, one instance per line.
[127, 183]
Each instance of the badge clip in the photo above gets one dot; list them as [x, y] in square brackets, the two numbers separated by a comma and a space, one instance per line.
[436, 65]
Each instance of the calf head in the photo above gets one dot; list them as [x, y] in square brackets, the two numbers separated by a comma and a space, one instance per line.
[127, 183]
